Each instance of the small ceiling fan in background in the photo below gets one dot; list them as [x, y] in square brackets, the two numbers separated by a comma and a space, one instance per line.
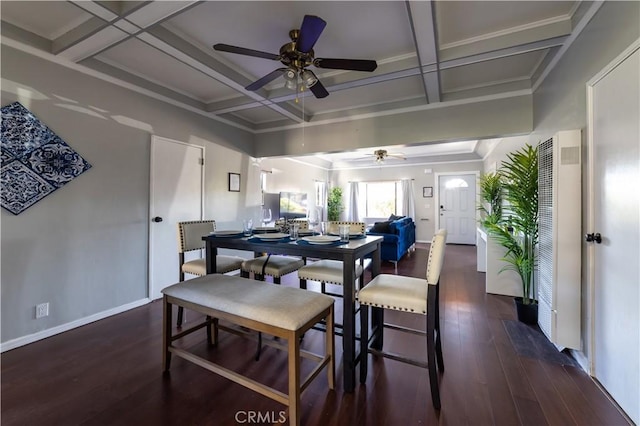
[297, 55]
[382, 154]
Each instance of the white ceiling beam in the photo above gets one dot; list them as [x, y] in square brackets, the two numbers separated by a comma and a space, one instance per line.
[115, 29]
[423, 27]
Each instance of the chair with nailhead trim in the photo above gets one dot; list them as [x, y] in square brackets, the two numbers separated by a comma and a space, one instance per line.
[190, 235]
[407, 294]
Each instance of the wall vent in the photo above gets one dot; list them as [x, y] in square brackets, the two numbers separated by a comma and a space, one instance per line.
[560, 238]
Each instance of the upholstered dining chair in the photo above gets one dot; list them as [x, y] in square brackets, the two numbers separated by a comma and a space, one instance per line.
[190, 235]
[330, 271]
[407, 294]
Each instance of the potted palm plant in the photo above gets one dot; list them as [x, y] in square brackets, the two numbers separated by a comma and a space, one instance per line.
[334, 204]
[517, 228]
[490, 198]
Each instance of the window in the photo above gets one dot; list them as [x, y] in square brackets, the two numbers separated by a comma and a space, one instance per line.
[382, 198]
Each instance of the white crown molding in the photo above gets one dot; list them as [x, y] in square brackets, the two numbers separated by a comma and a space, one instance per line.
[506, 32]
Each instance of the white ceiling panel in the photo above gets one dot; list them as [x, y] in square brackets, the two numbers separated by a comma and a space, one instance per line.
[487, 17]
[259, 115]
[265, 26]
[501, 70]
[48, 19]
[388, 91]
[138, 57]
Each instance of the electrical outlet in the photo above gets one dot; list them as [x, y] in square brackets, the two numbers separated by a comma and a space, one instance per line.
[42, 310]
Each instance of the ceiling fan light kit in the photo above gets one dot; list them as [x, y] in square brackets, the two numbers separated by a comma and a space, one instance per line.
[297, 55]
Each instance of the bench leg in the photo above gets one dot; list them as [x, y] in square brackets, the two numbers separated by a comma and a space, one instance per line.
[180, 316]
[166, 334]
[294, 379]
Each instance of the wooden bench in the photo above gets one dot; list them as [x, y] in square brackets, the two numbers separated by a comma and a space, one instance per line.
[279, 311]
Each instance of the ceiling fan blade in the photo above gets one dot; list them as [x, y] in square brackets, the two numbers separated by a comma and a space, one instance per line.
[244, 51]
[346, 64]
[319, 90]
[310, 31]
[266, 79]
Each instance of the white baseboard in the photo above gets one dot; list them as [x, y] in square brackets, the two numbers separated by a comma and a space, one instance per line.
[582, 360]
[25, 340]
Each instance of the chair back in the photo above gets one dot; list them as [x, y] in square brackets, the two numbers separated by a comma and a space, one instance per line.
[355, 227]
[302, 223]
[190, 234]
[436, 256]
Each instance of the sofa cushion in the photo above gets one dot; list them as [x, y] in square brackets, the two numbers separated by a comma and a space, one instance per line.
[394, 217]
[381, 227]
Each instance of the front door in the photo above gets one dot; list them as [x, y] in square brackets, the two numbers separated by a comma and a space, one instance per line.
[615, 158]
[457, 207]
[176, 195]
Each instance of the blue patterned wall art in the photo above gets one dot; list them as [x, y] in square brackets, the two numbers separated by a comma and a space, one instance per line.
[35, 161]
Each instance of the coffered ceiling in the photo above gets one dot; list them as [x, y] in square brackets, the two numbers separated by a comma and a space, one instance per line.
[428, 52]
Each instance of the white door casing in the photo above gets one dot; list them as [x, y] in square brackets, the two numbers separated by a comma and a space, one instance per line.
[614, 212]
[176, 194]
[456, 206]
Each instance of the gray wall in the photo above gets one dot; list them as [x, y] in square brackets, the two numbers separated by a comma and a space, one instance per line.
[425, 207]
[501, 117]
[560, 103]
[84, 248]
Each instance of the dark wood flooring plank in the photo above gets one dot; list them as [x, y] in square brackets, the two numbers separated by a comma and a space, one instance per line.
[109, 372]
[555, 410]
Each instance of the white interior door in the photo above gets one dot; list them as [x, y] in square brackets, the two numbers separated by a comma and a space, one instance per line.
[457, 207]
[615, 158]
[176, 195]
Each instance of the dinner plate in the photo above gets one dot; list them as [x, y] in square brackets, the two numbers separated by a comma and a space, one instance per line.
[305, 233]
[271, 236]
[226, 233]
[321, 239]
[265, 229]
[350, 235]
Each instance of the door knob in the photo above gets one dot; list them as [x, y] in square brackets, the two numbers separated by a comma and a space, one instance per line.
[590, 238]
[157, 219]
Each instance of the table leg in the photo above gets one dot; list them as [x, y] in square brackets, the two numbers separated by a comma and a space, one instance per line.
[211, 253]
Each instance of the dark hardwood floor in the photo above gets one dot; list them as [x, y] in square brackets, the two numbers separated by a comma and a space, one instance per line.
[109, 372]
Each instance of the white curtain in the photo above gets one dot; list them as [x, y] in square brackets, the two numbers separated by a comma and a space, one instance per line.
[321, 203]
[408, 201]
[353, 211]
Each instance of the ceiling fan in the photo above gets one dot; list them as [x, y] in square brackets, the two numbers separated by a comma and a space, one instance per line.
[381, 154]
[297, 55]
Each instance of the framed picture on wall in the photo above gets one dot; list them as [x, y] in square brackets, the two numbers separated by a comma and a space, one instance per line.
[234, 182]
[427, 191]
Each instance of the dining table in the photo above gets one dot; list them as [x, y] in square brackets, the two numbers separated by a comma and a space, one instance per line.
[348, 252]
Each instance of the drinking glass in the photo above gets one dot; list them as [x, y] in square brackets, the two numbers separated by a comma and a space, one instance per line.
[293, 231]
[343, 231]
[247, 227]
[266, 216]
[324, 228]
[314, 219]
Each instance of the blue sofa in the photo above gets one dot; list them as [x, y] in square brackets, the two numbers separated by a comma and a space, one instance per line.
[399, 236]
